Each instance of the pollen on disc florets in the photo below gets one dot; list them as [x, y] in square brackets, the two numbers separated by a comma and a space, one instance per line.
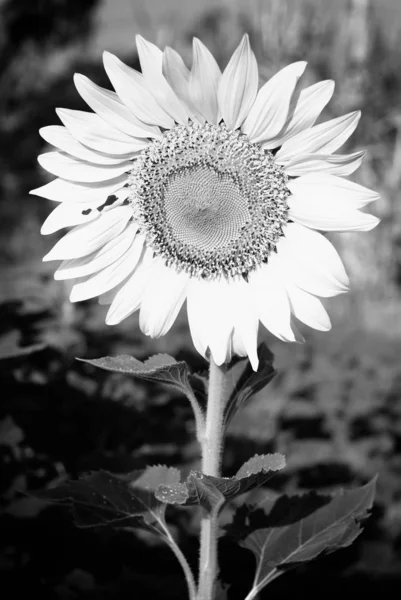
[209, 202]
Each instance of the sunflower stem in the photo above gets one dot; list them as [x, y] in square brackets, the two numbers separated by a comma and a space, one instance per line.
[212, 447]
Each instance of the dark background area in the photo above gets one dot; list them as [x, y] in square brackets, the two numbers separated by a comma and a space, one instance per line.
[334, 409]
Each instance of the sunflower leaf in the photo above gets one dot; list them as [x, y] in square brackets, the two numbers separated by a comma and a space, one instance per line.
[177, 493]
[204, 490]
[160, 368]
[103, 498]
[207, 491]
[300, 529]
[260, 465]
[249, 382]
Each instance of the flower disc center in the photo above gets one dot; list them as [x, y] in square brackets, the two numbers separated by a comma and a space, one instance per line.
[204, 209]
[209, 202]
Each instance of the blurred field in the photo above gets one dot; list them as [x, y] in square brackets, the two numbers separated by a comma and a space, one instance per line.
[158, 18]
[335, 407]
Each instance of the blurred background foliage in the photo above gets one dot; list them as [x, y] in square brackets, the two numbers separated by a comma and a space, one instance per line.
[335, 407]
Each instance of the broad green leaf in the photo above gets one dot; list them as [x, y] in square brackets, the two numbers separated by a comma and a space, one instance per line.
[291, 539]
[249, 382]
[204, 489]
[272, 511]
[102, 498]
[122, 501]
[261, 464]
[177, 493]
[161, 368]
[208, 494]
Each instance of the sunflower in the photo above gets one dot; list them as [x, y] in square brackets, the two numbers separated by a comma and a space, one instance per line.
[196, 185]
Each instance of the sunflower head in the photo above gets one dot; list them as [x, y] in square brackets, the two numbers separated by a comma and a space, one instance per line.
[211, 203]
[196, 185]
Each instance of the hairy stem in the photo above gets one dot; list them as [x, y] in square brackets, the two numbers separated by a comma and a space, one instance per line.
[212, 446]
[208, 558]
[198, 414]
[212, 439]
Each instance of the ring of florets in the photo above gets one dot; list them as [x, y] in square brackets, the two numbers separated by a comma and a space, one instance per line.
[212, 179]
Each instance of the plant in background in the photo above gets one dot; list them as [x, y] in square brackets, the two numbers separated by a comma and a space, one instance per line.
[194, 185]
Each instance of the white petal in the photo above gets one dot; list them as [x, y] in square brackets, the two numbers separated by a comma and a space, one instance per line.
[177, 75]
[313, 248]
[220, 320]
[324, 138]
[151, 59]
[108, 278]
[84, 239]
[91, 130]
[110, 108]
[196, 303]
[246, 321]
[328, 215]
[134, 92]
[321, 186]
[130, 285]
[164, 296]
[303, 112]
[204, 81]
[111, 202]
[270, 109]
[237, 345]
[101, 258]
[310, 279]
[298, 335]
[129, 297]
[61, 190]
[308, 308]
[341, 165]
[238, 85]
[65, 166]
[271, 301]
[311, 262]
[59, 136]
[108, 297]
[209, 317]
[68, 215]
